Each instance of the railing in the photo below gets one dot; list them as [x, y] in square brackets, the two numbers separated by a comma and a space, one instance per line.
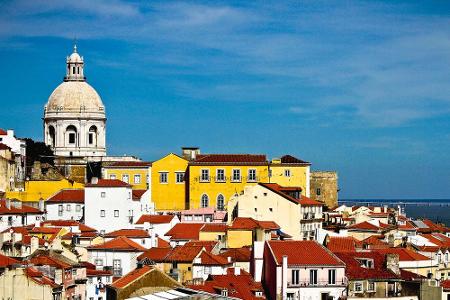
[320, 283]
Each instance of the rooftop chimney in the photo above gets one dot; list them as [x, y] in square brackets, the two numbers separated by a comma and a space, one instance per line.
[392, 263]
[94, 180]
[284, 266]
[190, 153]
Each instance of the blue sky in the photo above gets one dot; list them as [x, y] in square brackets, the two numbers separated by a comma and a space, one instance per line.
[361, 87]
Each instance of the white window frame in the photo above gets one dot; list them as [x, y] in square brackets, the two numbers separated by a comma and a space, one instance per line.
[295, 276]
[116, 213]
[201, 200]
[360, 283]
[102, 213]
[313, 280]
[112, 176]
[287, 172]
[222, 177]
[78, 208]
[164, 177]
[251, 178]
[179, 177]
[126, 178]
[332, 276]
[60, 210]
[68, 207]
[137, 178]
[204, 175]
[222, 207]
[233, 178]
[103, 194]
[374, 286]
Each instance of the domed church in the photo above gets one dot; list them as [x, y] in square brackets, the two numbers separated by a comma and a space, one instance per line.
[74, 116]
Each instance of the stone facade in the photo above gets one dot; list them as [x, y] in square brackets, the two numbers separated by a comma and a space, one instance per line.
[324, 187]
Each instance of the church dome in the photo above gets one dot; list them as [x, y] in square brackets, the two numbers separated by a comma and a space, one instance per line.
[74, 96]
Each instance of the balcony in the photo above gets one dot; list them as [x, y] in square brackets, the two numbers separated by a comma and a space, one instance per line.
[320, 283]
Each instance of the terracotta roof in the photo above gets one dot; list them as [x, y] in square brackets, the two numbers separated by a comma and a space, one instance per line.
[250, 224]
[108, 183]
[95, 273]
[184, 253]
[374, 242]
[238, 286]
[410, 276]
[185, 231]
[67, 196]
[366, 226]
[162, 243]
[439, 239]
[137, 194]
[120, 243]
[278, 189]
[356, 271]
[208, 245]
[6, 261]
[17, 229]
[13, 210]
[46, 230]
[155, 219]
[207, 258]
[408, 226]
[131, 277]
[3, 132]
[243, 254]
[404, 254]
[230, 159]
[445, 285]
[39, 277]
[44, 260]
[341, 244]
[288, 159]
[156, 254]
[302, 253]
[129, 164]
[214, 227]
[129, 233]
[4, 147]
[68, 223]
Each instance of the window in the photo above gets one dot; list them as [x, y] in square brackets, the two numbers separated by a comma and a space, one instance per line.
[252, 175]
[90, 282]
[295, 279]
[91, 138]
[287, 173]
[117, 267]
[112, 176]
[366, 263]
[60, 210]
[220, 202]
[332, 276]
[207, 270]
[224, 293]
[103, 194]
[236, 175]
[78, 208]
[318, 192]
[204, 176]
[137, 179]
[290, 296]
[439, 258]
[204, 200]
[179, 177]
[116, 213]
[220, 175]
[358, 287]
[125, 178]
[71, 138]
[270, 209]
[68, 207]
[312, 276]
[102, 213]
[163, 177]
[98, 262]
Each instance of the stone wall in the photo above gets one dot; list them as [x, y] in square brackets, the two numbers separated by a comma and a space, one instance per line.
[324, 187]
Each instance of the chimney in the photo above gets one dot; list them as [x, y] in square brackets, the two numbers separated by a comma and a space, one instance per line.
[237, 271]
[190, 153]
[17, 204]
[34, 244]
[8, 204]
[284, 272]
[392, 263]
[94, 180]
[229, 259]
[10, 132]
[41, 205]
[197, 260]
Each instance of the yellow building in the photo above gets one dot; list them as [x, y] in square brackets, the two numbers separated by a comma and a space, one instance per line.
[135, 173]
[36, 190]
[245, 231]
[215, 178]
[168, 182]
[289, 171]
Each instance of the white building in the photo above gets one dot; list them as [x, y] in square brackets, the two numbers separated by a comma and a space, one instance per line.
[18, 147]
[119, 255]
[207, 264]
[96, 283]
[109, 205]
[74, 116]
[139, 236]
[302, 270]
[15, 214]
[159, 224]
[67, 204]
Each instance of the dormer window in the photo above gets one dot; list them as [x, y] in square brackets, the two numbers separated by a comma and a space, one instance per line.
[366, 263]
[224, 293]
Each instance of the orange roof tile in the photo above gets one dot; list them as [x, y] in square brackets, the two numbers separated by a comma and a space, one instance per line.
[6, 261]
[404, 254]
[289, 159]
[208, 245]
[155, 219]
[129, 233]
[243, 254]
[68, 223]
[13, 210]
[302, 253]
[282, 191]
[207, 258]
[366, 226]
[185, 231]
[250, 224]
[156, 254]
[120, 243]
[108, 183]
[184, 253]
[355, 271]
[67, 196]
[214, 227]
[131, 277]
[230, 159]
[341, 244]
[446, 285]
[137, 194]
[44, 260]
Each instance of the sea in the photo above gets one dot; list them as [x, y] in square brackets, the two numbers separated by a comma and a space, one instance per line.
[437, 210]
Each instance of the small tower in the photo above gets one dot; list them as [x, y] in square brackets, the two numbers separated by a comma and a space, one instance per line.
[75, 66]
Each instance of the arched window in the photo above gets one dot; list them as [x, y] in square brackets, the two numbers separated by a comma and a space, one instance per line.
[51, 135]
[205, 201]
[220, 202]
[71, 135]
[92, 136]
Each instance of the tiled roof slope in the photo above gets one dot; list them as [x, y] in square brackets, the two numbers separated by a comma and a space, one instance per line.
[155, 219]
[185, 231]
[129, 233]
[13, 210]
[230, 159]
[341, 244]
[289, 159]
[108, 183]
[67, 196]
[355, 271]
[120, 243]
[131, 277]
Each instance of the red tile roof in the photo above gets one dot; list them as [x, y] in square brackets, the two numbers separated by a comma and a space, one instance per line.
[250, 224]
[439, 239]
[44, 260]
[366, 226]
[162, 243]
[238, 286]
[302, 253]
[404, 254]
[108, 183]
[95, 273]
[230, 159]
[355, 271]
[6, 261]
[4, 147]
[46, 230]
[243, 254]
[68, 223]
[120, 243]
[129, 233]
[185, 231]
[184, 253]
[129, 164]
[67, 196]
[374, 242]
[209, 259]
[208, 245]
[341, 244]
[3, 132]
[39, 277]
[156, 254]
[278, 189]
[288, 159]
[446, 285]
[214, 227]
[137, 194]
[13, 210]
[155, 219]
[131, 277]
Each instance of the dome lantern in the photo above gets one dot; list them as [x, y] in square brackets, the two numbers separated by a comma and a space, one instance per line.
[75, 67]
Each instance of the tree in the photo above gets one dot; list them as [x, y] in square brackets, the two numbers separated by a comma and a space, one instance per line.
[38, 151]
